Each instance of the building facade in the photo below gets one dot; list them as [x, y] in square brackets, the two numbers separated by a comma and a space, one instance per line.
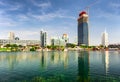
[65, 37]
[19, 42]
[83, 30]
[58, 42]
[105, 39]
[43, 39]
[11, 36]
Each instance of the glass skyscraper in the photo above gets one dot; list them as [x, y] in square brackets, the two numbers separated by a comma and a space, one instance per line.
[83, 30]
[43, 39]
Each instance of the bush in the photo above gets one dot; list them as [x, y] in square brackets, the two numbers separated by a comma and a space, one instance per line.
[32, 49]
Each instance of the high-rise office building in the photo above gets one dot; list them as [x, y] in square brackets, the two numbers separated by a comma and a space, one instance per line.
[105, 39]
[43, 38]
[65, 38]
[83, 30]
[11, 36]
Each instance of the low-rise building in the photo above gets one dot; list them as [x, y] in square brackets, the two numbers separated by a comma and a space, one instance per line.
[19, 42]
[58, 42]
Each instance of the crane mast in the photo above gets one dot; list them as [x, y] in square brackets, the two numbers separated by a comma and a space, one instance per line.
[88, 7]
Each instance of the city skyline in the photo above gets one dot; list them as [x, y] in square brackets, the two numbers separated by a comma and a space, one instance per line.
[27, 17]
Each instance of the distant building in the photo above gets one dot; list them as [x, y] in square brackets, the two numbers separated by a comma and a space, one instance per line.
[65, 38]
[19, 42]
[105, 39]
[83, 29]
[58, 42]
[11, 36]
[43, 38]
[17, 38]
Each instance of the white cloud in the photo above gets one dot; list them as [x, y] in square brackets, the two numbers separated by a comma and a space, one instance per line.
[108, 15]
[6, 21]
[22, 17]
[6, 24]
[15, 7]
[42, 5]
[115, 5]
[1, 3]
[51, 16]
[10, 7]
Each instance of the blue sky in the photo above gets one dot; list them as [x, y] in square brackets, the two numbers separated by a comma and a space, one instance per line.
[27, 17]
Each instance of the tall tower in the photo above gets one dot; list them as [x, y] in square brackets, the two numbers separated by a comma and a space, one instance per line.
[105, 39]
[83, 30]
[43, 38]
[11, 36]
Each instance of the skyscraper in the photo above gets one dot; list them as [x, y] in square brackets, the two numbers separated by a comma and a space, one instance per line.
[11, 36]
[83, 30]
[43, 38]
[105, 39]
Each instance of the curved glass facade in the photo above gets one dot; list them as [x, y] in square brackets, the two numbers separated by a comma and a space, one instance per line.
[83, 33]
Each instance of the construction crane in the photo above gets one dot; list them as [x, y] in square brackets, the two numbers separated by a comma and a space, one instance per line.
[88, 7]
[87, 10]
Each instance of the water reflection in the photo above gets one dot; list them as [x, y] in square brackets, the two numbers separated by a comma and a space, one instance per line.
[11, 60]
[83, 66]
[43, 59]
[105, 60]
[80, 66]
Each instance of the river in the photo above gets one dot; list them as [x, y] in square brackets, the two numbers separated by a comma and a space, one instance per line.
[60, 66]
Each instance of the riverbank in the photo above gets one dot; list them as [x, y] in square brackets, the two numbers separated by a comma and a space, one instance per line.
[46, 49]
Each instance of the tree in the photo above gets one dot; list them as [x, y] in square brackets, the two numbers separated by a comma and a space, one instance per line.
[7, 45]
[70, 45]
[32, 49]
[14, 45]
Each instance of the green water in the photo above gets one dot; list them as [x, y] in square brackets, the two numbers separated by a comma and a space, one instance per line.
[58, 66]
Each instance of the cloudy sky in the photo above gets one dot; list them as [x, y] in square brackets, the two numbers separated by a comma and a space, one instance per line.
[27, 17]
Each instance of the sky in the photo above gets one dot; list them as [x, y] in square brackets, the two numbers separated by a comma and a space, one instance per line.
[27, 17]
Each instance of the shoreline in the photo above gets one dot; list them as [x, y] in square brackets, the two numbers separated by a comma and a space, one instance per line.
[66, 49]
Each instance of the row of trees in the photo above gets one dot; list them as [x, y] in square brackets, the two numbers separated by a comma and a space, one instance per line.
[10, 47]
[56, 47]
[15, 47]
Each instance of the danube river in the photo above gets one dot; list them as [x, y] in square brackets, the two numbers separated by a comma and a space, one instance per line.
[60, 66]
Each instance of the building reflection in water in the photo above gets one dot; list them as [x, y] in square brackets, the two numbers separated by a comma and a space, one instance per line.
[105, 60]
[106, 63]
[53, 58]
[12, 60]
[65, 59]
[83, 66]
[58, 58]
[43, 59]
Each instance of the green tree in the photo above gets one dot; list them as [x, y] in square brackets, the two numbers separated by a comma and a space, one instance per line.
[7, 45]
[32, 49]
[70, 45]
[14, 45]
